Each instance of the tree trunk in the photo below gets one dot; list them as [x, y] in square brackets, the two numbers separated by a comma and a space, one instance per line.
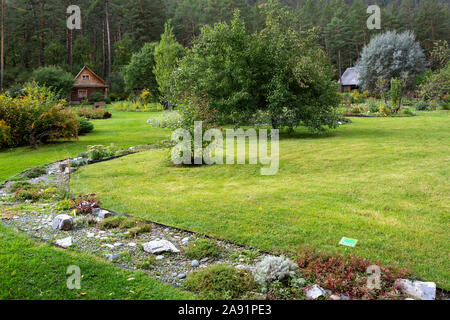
[42, 36]
[108, 33]
[340, 71]
[2, 54]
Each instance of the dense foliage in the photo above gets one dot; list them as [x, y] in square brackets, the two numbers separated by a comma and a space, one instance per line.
[139, 74]
[35, 118]
[391, 55]
[229, 76]
[55, 78]
[36, 33]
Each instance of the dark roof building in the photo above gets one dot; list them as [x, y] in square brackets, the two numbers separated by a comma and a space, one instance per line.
[350, 79]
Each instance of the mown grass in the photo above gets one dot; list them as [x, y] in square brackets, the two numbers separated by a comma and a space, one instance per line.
[35, 271]
[383, 181]
[124, 129]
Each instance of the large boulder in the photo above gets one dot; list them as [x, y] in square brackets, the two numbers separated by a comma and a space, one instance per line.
[63, 222]
[159, 246]
[417, 289]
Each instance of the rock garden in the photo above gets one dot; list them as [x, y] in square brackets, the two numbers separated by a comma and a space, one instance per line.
[38, 203]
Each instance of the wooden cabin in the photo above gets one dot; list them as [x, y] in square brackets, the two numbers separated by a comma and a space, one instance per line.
[86, 83]
[350, 80]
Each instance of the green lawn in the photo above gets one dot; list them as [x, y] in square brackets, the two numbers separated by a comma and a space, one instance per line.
[383, 181]
[125, 129]
[34, 271]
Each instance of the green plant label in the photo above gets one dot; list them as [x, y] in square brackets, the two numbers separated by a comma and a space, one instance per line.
[348, 242]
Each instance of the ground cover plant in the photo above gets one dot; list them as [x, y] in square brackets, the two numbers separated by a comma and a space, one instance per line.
[379, 180]
[220, 282]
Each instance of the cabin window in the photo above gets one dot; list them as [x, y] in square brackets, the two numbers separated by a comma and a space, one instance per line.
[82, 94]
[86, 77]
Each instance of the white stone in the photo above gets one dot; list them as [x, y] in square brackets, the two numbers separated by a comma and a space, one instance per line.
[417, 289]
[132, 244]
[185, 240]
[63, 222]
[101, 213]
[118, 244]
[159, 257]
[315, 292]
[90, 235]
[159, 246]
[65, 243]
[109, 246]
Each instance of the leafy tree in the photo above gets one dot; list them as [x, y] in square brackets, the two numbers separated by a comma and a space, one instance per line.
[279, 71]
[167, 54]
[55, 78]
[139, 74]
[389, 55]
[437, 86]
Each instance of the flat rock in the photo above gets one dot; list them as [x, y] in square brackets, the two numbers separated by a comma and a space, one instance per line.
[63, 222]
[132, 244]
[159, 257]
[64, 243]
[113, 257]
[182, 276]
[159, 246]
[185, 240]
[417, 289]
[195, 263]
[101, 213]
[315, 292]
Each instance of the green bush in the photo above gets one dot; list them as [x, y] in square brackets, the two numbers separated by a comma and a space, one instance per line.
[422, 106]
[34, 172]
[35, 118]
[24, 185]
[96, 96]
[100, 152]
[372, 106]
[55, 78]
[220, 282]
[93, 113]
[64, 205]
[407, 112]
[202, 248]
[167, 120]
[85, 126]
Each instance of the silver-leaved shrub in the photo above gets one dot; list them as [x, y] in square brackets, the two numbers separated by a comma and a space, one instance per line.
[274, 269]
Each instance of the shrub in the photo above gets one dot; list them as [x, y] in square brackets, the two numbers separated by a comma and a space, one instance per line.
[422, 106]
[23, 195]
[202, 248]
[85, 221]
[282, 291]
[135, 226]
[387, 56]
[220, 282]
[34, 172]
[408, 112]
[274, 269]
[347, 274]
[85, 126]
[36, 118]
[93, 113]
[85, 204]
[170, 120]
[65, 205]
[137, 106]
[383, 109]
[101, 152]
[24, 185]
[5, 134]
[372, 106]
[96, 96]
[55, 78]
[147, 264]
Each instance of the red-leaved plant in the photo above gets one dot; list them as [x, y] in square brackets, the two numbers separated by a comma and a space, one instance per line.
[348, 274]
[85, 204]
